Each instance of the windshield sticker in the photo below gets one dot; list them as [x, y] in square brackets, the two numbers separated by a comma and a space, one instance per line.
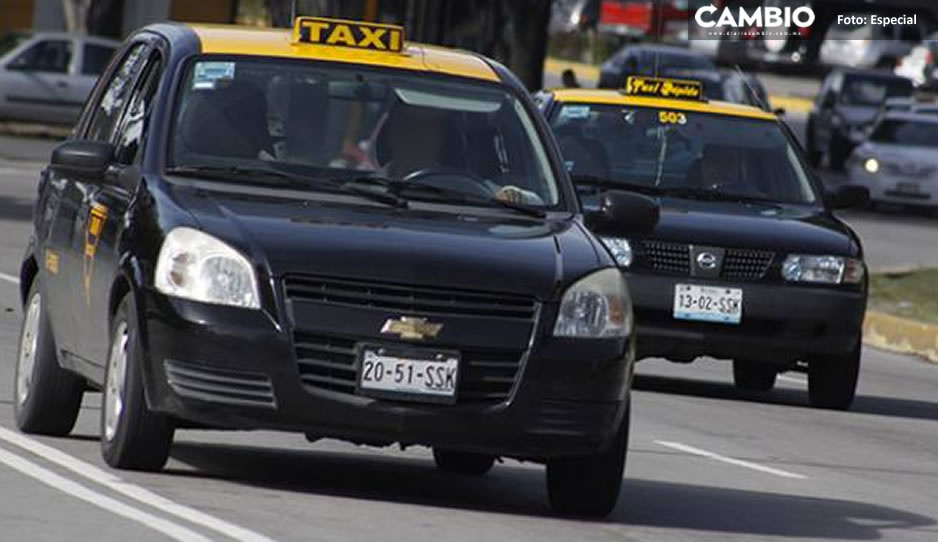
[207, 73]
[672, 117]
[575, 111]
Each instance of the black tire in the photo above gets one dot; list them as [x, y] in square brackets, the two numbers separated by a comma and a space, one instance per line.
[52, 397]
[832, 380]
[589, 486]
[139, 439]
[752, 376]
[466, 463]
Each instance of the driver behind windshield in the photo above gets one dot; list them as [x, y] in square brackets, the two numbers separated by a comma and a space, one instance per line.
[419, 140]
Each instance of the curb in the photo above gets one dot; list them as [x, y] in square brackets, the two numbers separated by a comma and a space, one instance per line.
[589, 72]
[895, 334]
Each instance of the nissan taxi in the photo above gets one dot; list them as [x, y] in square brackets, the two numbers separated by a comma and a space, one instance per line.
[748, 261]
[330, 231]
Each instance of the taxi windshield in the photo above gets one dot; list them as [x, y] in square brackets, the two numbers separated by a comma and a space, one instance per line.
[682, 152]
[334, 122]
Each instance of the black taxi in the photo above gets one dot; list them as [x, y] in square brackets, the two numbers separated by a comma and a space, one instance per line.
[748, 261]
[330, 231]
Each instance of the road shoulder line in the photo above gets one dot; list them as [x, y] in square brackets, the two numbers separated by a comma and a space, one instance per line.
[74, 489]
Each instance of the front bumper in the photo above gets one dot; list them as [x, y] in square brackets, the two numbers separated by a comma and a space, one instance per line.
[233, 368]
[886, 188]
[781, 323]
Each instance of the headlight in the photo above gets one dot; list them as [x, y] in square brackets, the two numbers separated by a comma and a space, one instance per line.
[871, 165]
[197, 266]
[620, 248]
[823, 269]
[597, 305]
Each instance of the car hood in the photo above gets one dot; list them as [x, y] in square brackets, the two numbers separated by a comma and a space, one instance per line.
[793, 229]
[900, 153]
[499, 252]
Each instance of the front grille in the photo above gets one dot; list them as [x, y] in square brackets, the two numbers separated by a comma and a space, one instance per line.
[674, 258]
[667, 257]
[403, 298]
[329, 363]
[903, 170]
[220, 385]
[744, 263]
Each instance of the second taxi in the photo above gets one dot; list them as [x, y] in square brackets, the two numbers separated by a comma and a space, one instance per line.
[748, 261]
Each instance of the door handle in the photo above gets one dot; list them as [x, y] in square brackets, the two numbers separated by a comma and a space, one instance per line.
[61, 84]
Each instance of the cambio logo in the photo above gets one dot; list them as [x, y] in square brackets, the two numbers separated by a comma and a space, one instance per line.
[764, 17]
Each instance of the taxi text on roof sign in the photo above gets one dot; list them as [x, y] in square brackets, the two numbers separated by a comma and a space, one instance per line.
[376, 37]
[657, 87]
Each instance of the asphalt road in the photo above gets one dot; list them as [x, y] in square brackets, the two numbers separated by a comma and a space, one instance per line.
[706, 463]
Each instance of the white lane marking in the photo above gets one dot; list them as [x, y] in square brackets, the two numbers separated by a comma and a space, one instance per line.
[729, 460]
[793, 379]
[9, 278]
[127, 489]
[69, 487]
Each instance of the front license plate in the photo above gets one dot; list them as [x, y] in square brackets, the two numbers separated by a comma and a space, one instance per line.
[708, 303]
[408, 374]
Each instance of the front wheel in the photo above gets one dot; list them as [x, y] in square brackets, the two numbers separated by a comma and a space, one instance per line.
[46, 397]
[132, 436]
[751, 376]
[832, 380]
[463, 462]
[589, 485]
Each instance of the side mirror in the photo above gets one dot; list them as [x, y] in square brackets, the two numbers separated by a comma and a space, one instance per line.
[828, 100]
[19, 63]
[779, 111]
[623, 213]
[849, 196]
[87, 159]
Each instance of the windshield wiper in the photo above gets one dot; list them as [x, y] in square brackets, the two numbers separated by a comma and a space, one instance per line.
[398, 189]
[716, 195]
[252, 174]
[601, 182]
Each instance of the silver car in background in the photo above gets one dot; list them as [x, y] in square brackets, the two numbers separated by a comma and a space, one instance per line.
[46, 77]
[899, 161]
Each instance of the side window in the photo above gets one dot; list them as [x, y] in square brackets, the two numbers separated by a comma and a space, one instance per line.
[95, 58]
[107, 112]
[133, 129]
[51, 56]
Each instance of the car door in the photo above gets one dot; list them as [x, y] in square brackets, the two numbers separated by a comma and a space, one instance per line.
[36, 82]
[104, 204]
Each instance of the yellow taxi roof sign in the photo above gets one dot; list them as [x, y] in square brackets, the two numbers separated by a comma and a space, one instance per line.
[343, 33]
[662, 87]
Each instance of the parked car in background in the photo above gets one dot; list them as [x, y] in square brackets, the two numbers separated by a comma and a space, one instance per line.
[661, 60]
[845, 108]
[869, 45]
[919, 65]
[46, 77]
[899, 162]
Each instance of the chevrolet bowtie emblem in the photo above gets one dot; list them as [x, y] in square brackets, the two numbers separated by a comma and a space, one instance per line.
[409, 327]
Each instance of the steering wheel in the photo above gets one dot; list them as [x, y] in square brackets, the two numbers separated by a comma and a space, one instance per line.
[477, 185]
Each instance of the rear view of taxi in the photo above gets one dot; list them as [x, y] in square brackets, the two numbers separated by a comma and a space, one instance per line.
[898, 163]
[748, 261]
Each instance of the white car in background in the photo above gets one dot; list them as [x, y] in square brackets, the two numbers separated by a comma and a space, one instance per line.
[899, 161]
[46, 77]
